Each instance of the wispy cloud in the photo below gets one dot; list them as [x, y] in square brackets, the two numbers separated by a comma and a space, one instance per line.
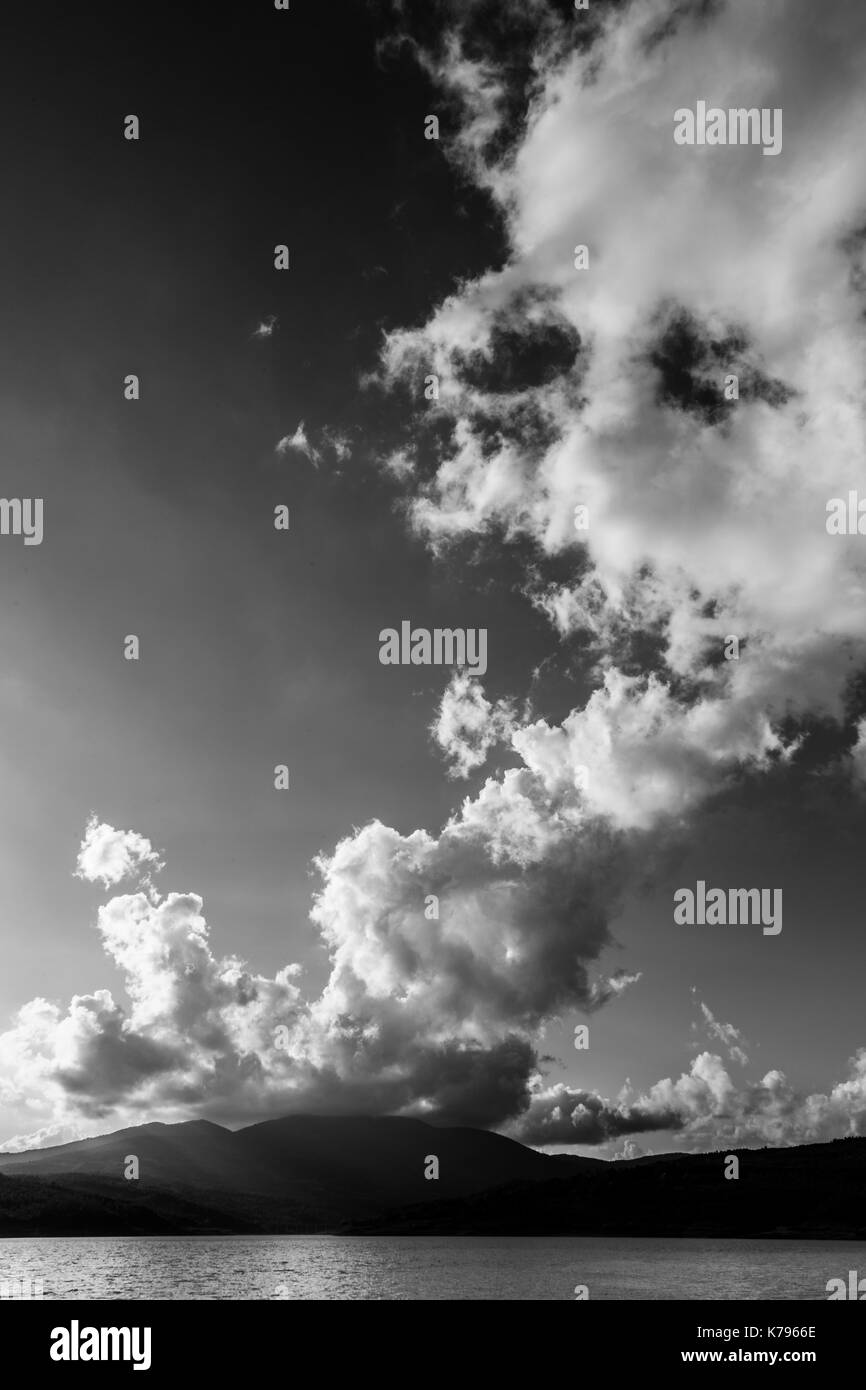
[300, 444]
[725, 1033]
[267, 327]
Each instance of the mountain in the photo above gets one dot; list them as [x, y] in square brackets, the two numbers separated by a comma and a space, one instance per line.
[301, 1172]
[197, 1152]
[814, 1191]
[385, 1158]
[311, 1173]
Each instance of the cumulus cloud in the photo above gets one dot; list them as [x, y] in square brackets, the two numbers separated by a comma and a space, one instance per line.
[467, 725]
[631, 1150]
[703, 1109]
[196, 1028]
[108, 856]
[431, 1017]
[561, 1114]
[603, 387]
[438, 1018]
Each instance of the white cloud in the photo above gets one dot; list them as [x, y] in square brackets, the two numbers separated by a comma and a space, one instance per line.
[107, 855]
[415, 1014]
[197, 1031]
[858, 756]
[300, 443]
[631, 1150]
[703, 1108]
[418, 1015]
[45, 1138]
[338, 442]
[467, 725]
[725, 1033]
[683, 512]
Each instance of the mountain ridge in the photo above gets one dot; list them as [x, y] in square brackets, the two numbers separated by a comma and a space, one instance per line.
[366, 1175]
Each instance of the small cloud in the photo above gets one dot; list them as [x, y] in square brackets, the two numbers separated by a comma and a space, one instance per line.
[631, 1150]
[44, 1138]
[725, 1033]
[266, 327]
[300, 443]
[399, 465]
[611, 988]
[467, 725]
[107, 855]
[339, 442]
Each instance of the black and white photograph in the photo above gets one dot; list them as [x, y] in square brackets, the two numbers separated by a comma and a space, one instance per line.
[433, 684]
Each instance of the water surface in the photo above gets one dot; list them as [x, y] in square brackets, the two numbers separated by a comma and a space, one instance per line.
[431, 1267]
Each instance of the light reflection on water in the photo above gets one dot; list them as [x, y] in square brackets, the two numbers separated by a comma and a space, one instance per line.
[431, 1267]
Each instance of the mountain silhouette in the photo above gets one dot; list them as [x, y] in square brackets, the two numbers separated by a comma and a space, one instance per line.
[812, 1191]
[362, 1175]
[310, 1171]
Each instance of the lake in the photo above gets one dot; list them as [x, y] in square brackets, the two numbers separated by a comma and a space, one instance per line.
[432, 1267]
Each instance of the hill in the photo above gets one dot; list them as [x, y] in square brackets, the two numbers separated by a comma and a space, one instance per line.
[306, 1173]
[813, 1191]
[300, 1172]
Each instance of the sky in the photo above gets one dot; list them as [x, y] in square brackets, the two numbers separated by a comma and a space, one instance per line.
[181, 938]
